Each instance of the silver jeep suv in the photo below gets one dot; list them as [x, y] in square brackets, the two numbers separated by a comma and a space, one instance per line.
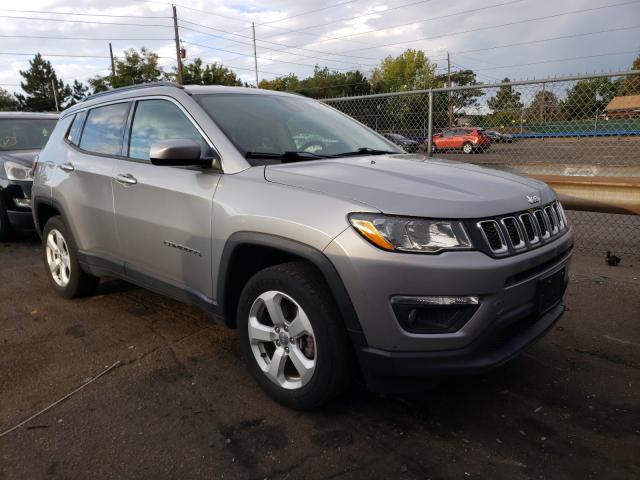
[333, 253]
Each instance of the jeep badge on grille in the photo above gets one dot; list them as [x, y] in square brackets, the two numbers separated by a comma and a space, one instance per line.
[533, 199]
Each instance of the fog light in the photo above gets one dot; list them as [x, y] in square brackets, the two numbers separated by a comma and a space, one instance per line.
[433, 314]
[22, 202]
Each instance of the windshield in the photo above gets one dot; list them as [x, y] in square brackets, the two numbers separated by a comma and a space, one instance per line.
[25, 134]
[285, 126]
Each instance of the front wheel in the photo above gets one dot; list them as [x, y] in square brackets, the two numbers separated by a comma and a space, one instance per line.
[467, 148]
[61, 261]
[292, 337]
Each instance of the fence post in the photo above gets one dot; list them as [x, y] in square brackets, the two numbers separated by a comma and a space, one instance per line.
[430, 125]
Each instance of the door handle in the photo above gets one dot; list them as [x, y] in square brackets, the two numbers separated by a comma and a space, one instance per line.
[126, 179]
[66, 167]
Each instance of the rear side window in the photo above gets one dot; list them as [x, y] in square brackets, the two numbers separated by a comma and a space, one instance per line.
[75, 130]
[157, 120]
[104, 128]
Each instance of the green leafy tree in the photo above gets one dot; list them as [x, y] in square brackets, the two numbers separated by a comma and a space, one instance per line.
[38, 86]
[327, 83]
[7, 102]
[588, 98]
[136, 67]
[79, 92]
[285, 83]
[197, 73]
[631, 84]
[410, 70]
[505, 99]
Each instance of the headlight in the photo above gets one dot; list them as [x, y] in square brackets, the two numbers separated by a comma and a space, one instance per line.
[16, 171]
[411, 234]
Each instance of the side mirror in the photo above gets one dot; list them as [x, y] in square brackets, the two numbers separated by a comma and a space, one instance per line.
[179, 153]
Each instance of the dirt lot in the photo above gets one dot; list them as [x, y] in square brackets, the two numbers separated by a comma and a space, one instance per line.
[181, 404]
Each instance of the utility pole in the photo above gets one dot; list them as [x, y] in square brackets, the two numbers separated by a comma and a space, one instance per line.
[449, 92]
[255, 54]
[177, 35]
[113, 67]
[55, 95]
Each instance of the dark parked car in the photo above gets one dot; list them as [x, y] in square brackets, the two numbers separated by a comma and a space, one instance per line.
[408, 145]
[22, 135]
[469, 140]
[497, 137]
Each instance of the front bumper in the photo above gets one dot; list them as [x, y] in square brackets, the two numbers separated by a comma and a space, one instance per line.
[507, 288]
[20, 217]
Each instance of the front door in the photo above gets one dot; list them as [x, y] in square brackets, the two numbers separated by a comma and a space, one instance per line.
[163, 214]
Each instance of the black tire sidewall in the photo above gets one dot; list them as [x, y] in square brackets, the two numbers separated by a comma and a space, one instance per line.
[76, 275]
[323, 315]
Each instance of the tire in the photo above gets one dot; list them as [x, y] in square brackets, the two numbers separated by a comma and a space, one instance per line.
[434, 148]
[6, 232]
[316, 366]
[61, 261]
[467, 148]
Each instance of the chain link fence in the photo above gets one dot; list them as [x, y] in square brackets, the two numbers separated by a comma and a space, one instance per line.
[561, 128]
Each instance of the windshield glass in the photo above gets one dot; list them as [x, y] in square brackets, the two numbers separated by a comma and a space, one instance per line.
[276, 125]
[25, 134]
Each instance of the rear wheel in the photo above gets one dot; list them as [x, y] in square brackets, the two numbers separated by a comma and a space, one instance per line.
[292, 337]
[467, 148]
[434, 148]
[61, 261]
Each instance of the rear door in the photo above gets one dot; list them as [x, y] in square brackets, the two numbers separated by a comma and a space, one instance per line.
[164, 214]
[83, 178]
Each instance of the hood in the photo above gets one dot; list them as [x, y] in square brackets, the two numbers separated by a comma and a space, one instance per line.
[413, 185]
[23, 157]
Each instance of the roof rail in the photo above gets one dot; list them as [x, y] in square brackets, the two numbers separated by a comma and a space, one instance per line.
[134, 87]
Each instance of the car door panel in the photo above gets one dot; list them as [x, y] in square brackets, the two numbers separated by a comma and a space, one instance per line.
[163, 214]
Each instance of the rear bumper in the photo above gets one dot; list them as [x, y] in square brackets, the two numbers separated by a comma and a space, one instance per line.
[510, 335]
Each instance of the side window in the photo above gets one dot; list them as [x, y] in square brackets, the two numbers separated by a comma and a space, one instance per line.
[73, 136]
[156, 120]
[104, 128]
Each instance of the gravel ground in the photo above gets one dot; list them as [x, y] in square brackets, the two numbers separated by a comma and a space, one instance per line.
[182, 405]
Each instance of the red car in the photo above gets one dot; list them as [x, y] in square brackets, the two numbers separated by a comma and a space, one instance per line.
[468, 140]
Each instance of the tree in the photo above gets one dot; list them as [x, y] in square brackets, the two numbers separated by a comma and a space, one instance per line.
[7, 102]
[285, 83]
[631, 84]
[38, 86]
[136, 67]
[544, 107]
[196, 73]
[79, 92]
[461, 99]
[505, 99]
[410, 70]
[588, 98]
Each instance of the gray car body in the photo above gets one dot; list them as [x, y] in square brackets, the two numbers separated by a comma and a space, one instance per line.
[172, 231]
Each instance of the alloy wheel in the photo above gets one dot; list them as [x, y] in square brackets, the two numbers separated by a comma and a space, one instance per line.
[282, 340]
[58, 258]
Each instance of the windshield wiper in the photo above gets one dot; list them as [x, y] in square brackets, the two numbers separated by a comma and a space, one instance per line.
[285, 156]
[365, 151]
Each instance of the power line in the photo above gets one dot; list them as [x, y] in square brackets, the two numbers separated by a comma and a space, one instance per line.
[41, 12]
[458, 13]
[548, 39]
[518, 22]
[310, 11]
[557, 60]
[83, 21]
[86, 38]
[200, 11]
[262, 41]
[304, 31]
[57, 55]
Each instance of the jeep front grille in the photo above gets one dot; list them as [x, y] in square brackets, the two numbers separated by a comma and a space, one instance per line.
[523, 230]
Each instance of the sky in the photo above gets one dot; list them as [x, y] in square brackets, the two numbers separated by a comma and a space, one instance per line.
[496, 38]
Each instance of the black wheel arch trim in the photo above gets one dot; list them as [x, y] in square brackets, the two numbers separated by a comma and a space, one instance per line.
[301, 250]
